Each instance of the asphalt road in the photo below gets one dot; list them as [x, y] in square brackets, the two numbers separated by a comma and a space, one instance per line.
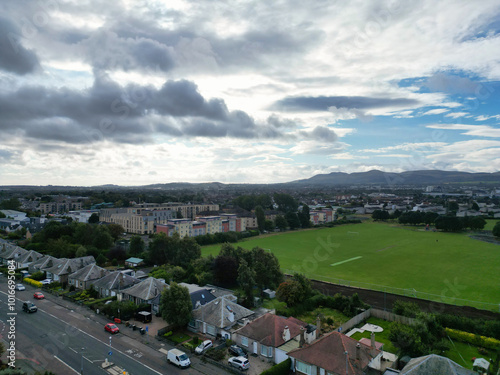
[60, 340]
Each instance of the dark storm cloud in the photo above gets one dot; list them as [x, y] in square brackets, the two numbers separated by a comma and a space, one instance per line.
[323, 103]
[133, 114]
[14, 57]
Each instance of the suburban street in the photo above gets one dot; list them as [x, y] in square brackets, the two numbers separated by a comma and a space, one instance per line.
[63, 340]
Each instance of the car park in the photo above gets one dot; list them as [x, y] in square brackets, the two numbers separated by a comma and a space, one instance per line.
[178, 358]
[38, 295]
[237, 351]
[239, 362]
[20, 287]
[111, 328]
[29, 307]
[203, 347]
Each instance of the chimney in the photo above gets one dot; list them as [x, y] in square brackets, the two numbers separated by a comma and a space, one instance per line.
[302, 338]
[286, 334]
[318, 327]
[358, 351]
[372, 336]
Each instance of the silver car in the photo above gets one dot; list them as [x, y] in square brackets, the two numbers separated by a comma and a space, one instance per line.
[20, 287]
[239, 362]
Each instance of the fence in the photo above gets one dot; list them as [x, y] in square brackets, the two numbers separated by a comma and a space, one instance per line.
[408, 292]
[376, 313]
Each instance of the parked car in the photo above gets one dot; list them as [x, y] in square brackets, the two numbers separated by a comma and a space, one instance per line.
[237, 351]
[111, 328]
[203, 347]
[178, 358]
[239, 362]
[46, 281]
[38, 295]
[20, 287]
[29, 307]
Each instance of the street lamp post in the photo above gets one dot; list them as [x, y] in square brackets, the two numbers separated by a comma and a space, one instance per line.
[81, 369]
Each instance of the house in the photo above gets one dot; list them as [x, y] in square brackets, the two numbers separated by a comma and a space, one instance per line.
[271, 336]
[145, 291]
[10, 252]
[217, 317]
[28, 258]
[64, 267]
[46, 261]
[113, 283]
[434, 364]
[134, 262]
[83, 278]
[335, 354]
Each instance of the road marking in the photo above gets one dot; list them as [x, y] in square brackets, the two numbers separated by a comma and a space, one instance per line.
[60, 360]
[345, 261]
[95, 338]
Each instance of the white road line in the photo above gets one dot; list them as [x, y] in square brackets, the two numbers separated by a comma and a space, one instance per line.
[95, 338]
[60, 360]
[73, 350]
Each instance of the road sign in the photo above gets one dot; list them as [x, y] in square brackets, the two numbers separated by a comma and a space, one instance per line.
[109, 353]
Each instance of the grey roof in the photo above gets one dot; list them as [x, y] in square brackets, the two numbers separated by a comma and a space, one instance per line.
[141, 274]
[201, 297]
[434, 364]
[12, 252]
[115, 281]
[89, 272]
[30, 257]
[147, 289]
[221, 312]
[46, 261]
[68, 266]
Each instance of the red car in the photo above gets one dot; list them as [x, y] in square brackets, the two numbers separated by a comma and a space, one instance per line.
[38, 295]
[112, 328]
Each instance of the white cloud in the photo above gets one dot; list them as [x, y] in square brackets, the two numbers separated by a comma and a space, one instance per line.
[457, 114]
[471, 130]
[436, 111]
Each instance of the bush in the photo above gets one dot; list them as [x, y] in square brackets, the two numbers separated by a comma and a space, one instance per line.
[196, 340]
[282, 368]
[38, 276]
[408, 309]
[489, 328]
[36, 284]
[470, 338]
[169, 333]
[216, 354]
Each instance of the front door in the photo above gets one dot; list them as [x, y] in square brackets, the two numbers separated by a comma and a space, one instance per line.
[255, 347]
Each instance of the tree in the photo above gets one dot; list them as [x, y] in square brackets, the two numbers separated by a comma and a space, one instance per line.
[175, 305]
[102, 239]
[246, 281]
[115, 230]
[380, 215]
[449, 224]
[81, 252]
[294, 291]
[281, 222]
[304, 216]
[475, 206]
[269, 225]
[2, 215]
[477, 223]
[496, 229]
[292, 220]
[264, 201]
[225, 271]
[285, 202]
[267, 269]
[453, 206]
[10, 204]
[261, 218]
[188, 251]
[101, 260]
[94, 218]
[137, 246]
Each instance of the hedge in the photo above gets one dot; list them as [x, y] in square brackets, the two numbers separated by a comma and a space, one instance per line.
[36, 284]
[282, 368]
[477, 340]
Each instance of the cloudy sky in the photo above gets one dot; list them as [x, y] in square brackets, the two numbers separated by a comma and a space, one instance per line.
[135, 92]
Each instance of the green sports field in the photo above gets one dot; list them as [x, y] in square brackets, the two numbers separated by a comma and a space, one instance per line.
[449, 267]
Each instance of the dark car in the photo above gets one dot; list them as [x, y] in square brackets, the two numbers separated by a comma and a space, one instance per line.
[29, 307]
[237, 351]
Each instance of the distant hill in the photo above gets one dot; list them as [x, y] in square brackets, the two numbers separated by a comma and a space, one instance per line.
[375, 177]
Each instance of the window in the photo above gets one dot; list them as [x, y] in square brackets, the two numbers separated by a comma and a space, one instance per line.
[266, 351]
[244, 341]
[302, 367]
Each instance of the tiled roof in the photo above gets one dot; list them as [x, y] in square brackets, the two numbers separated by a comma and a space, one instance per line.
[30, 256]
[89, 272]
[68, 266]
[268, 329]
[221, 312]
[147, 289]
[115, 280]
[434, 364]
[201, 297]
[328, 352]
[12, 252]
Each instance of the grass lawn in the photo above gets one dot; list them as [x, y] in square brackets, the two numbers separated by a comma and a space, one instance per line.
[273, 304]
[179, 337]
[382, 337]
[490, 223]
[374, 255]
[463, 353]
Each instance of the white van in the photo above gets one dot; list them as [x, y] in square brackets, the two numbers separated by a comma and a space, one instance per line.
[178, 358]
